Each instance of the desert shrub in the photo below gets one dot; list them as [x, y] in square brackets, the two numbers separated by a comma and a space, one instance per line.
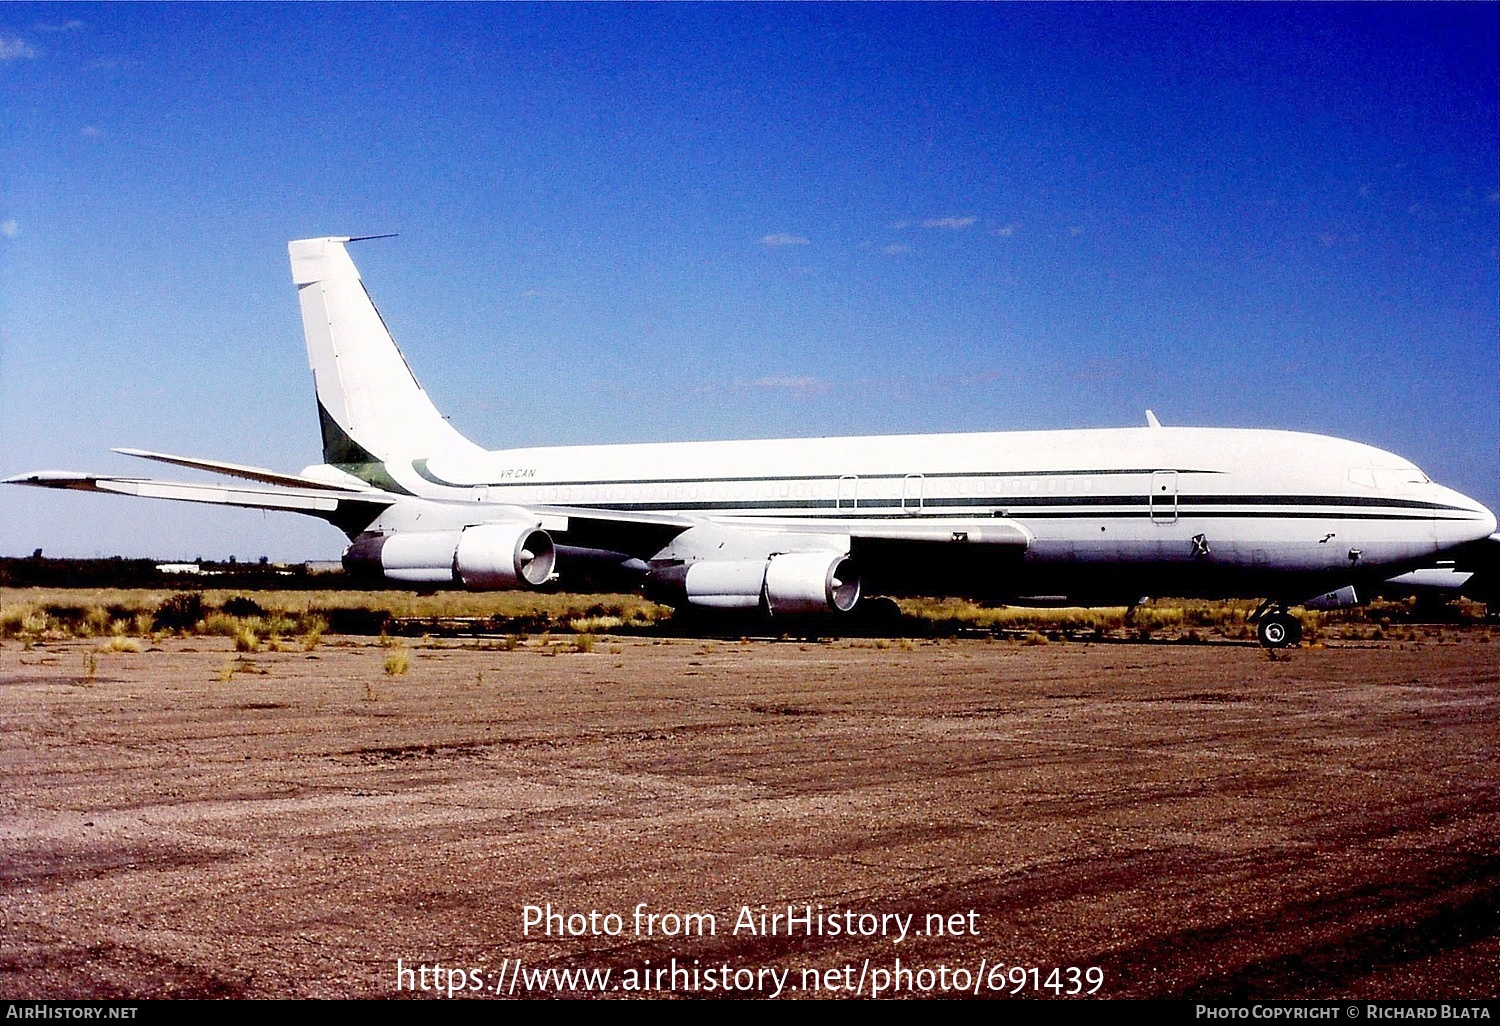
[95, 621]
[180, 612]
[347, 620]
[240, 605]
[33, 625]
[595, 622]
[1312, 625]
[397, 662]
[1154, 618]
[220, 625]
[313, 627]
[13, 619]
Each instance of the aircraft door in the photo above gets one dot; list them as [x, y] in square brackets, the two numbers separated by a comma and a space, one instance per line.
[911, 494]
[1163, 498]
[848, 494]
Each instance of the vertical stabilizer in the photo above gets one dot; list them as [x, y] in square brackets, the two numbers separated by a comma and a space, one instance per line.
[369, 403]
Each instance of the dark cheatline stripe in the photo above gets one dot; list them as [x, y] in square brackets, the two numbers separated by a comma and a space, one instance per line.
[1048, 506]
[420, 466]
[824, 511]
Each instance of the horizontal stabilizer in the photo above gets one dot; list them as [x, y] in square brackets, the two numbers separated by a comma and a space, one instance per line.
[238, 470]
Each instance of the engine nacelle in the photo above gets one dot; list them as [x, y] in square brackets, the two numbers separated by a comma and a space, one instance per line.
[1341, 598]
[811, 582]
[495, 556]
[790, 583]
[485, 557]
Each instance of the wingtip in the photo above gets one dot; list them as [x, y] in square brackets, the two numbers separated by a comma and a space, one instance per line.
[45, 477]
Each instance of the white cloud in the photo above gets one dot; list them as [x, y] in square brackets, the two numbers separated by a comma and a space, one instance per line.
[951, 223]
[1005, 231]
[783, 239]
[9, 228]
[71, 25]
[15, 49]
[90, 132]
[899, 225]
[895, 248]
[1075, 230]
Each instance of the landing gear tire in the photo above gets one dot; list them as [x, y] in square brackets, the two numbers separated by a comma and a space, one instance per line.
[1280, 630]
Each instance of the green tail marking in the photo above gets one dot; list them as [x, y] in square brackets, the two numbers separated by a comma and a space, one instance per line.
[346, 454]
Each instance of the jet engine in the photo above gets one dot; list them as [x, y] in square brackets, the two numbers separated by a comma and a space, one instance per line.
[790, 583]
[485, 557]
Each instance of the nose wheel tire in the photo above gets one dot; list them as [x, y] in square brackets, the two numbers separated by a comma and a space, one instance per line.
[1280, 630]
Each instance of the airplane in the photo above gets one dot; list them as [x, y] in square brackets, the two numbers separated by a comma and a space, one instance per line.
[810, 526]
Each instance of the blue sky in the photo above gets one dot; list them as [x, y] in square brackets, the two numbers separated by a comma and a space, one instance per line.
[659, 222]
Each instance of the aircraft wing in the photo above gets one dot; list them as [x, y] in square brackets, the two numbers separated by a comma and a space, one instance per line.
[997, 531]
[303, 498]
[620, 534]
[892, 556]
[637, 531]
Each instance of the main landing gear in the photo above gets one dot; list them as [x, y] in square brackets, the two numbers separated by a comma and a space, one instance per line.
[1278, 629]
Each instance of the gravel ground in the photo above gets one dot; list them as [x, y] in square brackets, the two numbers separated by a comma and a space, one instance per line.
[1191, 821]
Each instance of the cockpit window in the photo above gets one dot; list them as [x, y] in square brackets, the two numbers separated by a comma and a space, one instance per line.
[1387, 480]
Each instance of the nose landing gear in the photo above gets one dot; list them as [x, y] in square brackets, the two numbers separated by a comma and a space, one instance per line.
[1278, 629]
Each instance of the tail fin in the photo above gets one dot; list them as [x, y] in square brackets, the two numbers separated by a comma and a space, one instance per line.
[369, 403]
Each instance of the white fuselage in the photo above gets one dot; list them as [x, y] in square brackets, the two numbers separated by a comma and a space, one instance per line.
[1179, 505]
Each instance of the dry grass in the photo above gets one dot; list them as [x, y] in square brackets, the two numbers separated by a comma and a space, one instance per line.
[278, 618]
[121, 644]
[560, 606]
[397, 661]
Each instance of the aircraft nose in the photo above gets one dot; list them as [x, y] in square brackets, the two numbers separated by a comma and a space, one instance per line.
[1480, 522]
